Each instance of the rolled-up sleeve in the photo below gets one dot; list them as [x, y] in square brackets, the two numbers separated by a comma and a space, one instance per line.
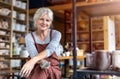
[30, 45]
[55, 41]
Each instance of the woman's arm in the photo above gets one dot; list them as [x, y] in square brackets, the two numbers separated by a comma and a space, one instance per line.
[55, 41]
[30, 45]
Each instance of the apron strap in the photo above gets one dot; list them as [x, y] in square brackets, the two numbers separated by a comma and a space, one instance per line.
[34, 41]
[50, 34]
[36, 45]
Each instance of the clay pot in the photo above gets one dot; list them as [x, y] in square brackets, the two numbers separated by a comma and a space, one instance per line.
[103, 59]
[99, 60]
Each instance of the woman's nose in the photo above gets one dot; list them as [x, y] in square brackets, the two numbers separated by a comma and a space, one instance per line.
[44, 21]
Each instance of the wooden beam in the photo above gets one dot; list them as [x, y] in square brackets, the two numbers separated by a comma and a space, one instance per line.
[59, 7]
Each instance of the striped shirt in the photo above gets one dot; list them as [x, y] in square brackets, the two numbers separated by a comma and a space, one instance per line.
[53, 46]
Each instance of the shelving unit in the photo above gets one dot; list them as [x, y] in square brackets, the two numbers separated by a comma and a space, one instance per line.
[5, 34]
[13, 28]
[97, 9]
[99, 33]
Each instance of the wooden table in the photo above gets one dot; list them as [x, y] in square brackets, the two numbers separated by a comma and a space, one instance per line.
[71, 57]
[66, 58]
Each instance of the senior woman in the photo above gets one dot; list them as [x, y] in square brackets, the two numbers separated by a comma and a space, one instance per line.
[43, 47]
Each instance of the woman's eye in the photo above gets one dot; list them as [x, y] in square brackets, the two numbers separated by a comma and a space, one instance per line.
[48, 20]
[42, 19]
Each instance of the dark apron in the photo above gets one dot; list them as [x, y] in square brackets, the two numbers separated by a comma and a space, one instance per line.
[53, 72]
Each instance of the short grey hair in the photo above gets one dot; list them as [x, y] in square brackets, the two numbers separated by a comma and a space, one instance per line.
[40, 12]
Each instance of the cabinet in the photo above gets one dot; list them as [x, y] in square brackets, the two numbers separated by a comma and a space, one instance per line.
[13, 27]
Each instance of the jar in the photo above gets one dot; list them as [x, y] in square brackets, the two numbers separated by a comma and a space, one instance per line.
[24, 52]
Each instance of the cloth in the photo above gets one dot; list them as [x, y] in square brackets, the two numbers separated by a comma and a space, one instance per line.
[53, 72]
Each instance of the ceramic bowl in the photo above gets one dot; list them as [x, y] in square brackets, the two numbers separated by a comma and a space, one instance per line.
[4, 11]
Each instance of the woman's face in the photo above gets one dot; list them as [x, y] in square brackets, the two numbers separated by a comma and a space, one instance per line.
[43, 23]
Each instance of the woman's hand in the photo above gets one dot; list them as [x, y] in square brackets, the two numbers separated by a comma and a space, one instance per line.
[27, 68]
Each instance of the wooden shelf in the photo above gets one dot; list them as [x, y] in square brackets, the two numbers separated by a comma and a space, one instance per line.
[8, 5]
[4, 55]
[20, 32]
[82, 32]
[5, 17]
[5, 35]
[83, 42]
[103, 8]
[81, 20]
[4, 48]
[87, 42]
[4, 41]
[5, 29]
[94, 30]
[20, 21]
[4, 69]
[98, 30]
[20, 9]
[98, 41]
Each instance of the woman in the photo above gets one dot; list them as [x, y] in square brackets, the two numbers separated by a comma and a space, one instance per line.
[43, 47]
